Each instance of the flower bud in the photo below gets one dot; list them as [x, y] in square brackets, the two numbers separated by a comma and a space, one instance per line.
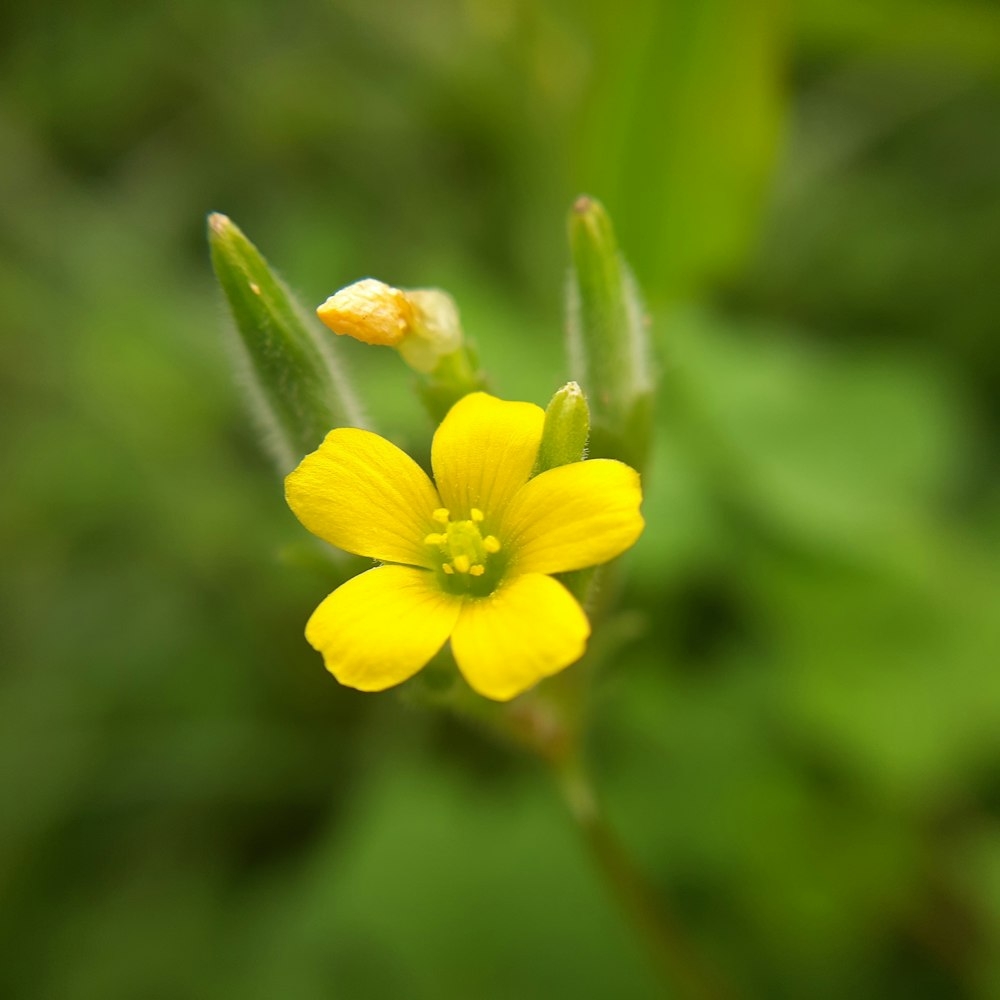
[564, 441]
[422, 324]
[298, 390]
[436, 330]
[424, 327]
[608, 343]
[567, 426]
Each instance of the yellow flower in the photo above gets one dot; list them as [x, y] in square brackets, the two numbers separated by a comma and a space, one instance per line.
[469, 559]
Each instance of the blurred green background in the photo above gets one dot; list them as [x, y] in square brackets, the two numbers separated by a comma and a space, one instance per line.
[801, 743]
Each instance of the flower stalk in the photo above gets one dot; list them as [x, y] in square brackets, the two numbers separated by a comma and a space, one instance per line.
[454, 375]
[678, 963]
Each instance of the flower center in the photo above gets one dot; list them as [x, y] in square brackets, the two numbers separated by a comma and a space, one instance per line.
[465, 553]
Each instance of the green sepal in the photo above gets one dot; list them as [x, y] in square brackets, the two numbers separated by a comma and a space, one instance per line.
[296, 386]
[608, 343]
[566, 429]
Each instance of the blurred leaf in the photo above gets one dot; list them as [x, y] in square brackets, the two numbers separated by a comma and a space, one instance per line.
[678, 128]
[966, 33]
[387, 909]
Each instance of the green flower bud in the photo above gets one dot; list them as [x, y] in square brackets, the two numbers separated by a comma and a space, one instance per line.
[567, 426]
[564, 441]
[608, 344]
[297, 388]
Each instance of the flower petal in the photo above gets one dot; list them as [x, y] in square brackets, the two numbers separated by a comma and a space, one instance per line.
[528, 629]
[483, 452]
[361, 493]
[573, 516]
[381, 627]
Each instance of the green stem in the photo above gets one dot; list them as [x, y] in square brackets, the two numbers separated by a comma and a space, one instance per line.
[680, 967]
[456, 375]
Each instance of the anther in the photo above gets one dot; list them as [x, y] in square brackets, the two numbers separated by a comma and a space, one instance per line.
[434, 540]
[441, 515]
[477, 570]
[461, 563]
[448, 568]
[491, 543]
[476, 514]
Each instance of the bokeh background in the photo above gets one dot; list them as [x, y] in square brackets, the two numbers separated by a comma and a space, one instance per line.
[801, 740]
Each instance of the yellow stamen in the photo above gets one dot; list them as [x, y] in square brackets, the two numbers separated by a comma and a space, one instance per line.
[461, 547]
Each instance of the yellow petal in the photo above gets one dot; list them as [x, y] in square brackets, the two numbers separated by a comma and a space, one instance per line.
[528, 629]
[370, 311]
[380, 628]
[483, 452]
[361, 493]
[573, 516]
